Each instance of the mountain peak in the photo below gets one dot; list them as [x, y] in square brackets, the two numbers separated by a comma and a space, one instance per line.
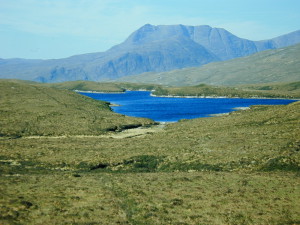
[150, 48]
[147, 26]
[141, 33]
[217, 40]
[150, 33]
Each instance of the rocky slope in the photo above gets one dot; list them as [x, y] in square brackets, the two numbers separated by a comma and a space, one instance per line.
[278, 65]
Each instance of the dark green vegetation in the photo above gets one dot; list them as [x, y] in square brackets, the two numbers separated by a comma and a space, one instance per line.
[273, 90]
[100, 86]
[293, 86]
[242, 168]
[152, 198]
[86, 86]
[280, 65]
[268, 90]
[29, 109]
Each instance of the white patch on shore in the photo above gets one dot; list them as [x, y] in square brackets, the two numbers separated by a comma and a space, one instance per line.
[99, 92]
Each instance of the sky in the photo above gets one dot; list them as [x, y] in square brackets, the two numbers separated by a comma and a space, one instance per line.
[48, 29]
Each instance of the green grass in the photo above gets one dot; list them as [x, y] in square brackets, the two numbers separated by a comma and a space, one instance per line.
[155, 198]
[261, 139]
[268, 90]
[275, 86]
[242, 168]
[287, 89]
[86, 86]
[28, 109]
[281, 90]
[100, 86]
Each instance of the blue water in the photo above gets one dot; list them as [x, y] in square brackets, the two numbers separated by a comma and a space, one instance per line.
[161, 109]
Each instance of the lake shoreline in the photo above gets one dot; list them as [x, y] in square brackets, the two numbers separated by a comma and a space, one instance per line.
[98, 92]
[179, 96]
[203, 96]
[161, 109]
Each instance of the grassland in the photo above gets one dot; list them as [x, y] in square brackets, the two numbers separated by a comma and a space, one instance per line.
[242, 168]
[100, 86]
[288, 89]
[273, 90]
[31, 109]
[86, 86]
[267, 90]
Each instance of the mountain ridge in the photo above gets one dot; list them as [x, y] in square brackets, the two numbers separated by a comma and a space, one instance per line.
[149, 49]
[276, 65]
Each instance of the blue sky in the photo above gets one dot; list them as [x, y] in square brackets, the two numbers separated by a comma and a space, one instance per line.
[61, 28]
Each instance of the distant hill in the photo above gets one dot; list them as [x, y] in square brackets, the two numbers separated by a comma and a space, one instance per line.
[273, 90]
[86, 86]
[31, 109]
[279, 65]
[268, 90]
[149, 49]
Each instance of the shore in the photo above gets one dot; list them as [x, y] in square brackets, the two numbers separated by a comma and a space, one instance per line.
[207, 96]
[179, 96]
[98, 92]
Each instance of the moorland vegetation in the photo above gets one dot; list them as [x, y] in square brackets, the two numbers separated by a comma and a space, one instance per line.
[60, 164]
[270, 90]
[31, 109]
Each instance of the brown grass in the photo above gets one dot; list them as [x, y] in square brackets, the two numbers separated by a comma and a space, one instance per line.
[242, 168]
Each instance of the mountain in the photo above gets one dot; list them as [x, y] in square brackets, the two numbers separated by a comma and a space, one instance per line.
[277, 65]
[149, 49]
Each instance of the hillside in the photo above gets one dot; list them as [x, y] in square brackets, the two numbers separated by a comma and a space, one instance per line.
[280, 65]
[149, 49]
[31, 109]
[269, 90]
[100, 86]
[237, 169]
[86, 86]
[272, 90]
